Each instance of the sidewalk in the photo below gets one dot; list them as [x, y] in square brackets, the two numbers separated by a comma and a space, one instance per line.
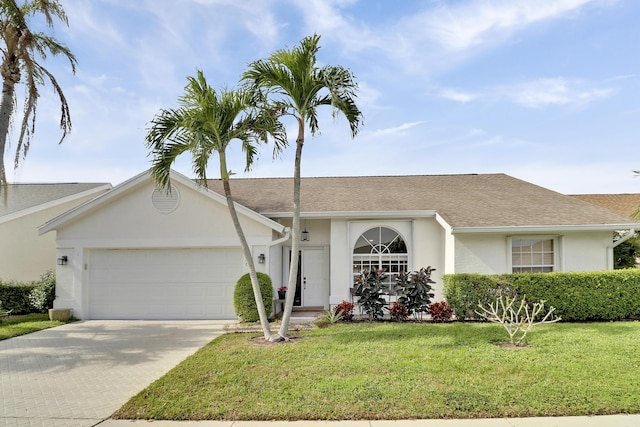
[596, 421]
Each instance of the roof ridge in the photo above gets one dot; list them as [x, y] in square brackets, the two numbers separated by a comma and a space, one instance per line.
[365, 176]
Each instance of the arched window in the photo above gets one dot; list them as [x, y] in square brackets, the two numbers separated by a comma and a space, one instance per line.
[380, 247]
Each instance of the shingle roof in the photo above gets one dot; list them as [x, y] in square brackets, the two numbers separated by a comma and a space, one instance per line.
[24, 196]
[625, 204]
[486, 200]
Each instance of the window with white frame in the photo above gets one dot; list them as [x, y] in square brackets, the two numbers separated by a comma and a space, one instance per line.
[532, 255]
[380, 247]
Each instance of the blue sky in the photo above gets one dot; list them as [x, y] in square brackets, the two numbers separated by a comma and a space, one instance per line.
[547, 91]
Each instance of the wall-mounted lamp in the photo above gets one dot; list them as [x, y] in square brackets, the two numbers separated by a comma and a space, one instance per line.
[261, 258]
[62, 260]
[305, 233]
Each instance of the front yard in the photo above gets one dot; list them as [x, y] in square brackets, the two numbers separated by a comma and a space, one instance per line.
[403, 371]
[14, 326]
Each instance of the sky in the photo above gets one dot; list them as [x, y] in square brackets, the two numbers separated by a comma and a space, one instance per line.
[547, 91]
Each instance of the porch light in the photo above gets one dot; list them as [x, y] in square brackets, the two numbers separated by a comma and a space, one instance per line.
[62, 260]
[261, 258]
[305, 233]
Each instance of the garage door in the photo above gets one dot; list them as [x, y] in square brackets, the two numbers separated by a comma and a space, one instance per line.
[163, 283]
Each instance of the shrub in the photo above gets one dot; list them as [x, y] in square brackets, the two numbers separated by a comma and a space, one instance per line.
[15, 296]
[440, 311]
[42, 295]
[346, 308]
[577, 296]
[3, 313]
[369, 288]
[414, 290]
[398, 311]
[520, 320]
[244, 301]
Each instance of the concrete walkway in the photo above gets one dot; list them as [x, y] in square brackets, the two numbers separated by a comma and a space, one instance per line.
[78, 374]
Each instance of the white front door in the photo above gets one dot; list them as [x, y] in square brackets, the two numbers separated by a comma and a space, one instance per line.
[315, 283]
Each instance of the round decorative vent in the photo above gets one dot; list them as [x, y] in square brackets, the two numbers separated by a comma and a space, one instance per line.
[165, 202]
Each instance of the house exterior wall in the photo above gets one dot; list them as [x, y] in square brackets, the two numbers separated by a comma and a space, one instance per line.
[132, 222]
[491, 253]
[26, 255]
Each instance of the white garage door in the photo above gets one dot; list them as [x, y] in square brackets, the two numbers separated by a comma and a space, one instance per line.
[163, 283]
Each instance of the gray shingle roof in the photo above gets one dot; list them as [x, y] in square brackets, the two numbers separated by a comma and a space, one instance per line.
[24, 196]
[486, 200]
[625, 204]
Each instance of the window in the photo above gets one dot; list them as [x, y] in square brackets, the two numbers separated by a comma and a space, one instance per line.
[380, 247]
[532, 255]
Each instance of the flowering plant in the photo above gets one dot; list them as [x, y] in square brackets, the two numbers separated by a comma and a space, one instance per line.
[282, 289]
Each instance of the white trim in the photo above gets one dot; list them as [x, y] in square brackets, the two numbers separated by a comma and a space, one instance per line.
[141, 179]
[53, 203]
[356, 214]
[542, 228]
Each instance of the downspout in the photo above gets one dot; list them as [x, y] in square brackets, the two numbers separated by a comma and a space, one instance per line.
[630, 234]
[287, 236]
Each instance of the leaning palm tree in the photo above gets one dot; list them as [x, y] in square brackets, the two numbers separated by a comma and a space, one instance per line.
[205, 124]
[293, 85]
[21, 52]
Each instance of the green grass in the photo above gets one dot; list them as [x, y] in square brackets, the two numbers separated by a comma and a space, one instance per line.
[21, 325]
[403, 371]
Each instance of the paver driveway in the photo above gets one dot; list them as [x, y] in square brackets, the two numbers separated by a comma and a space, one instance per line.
[80, 373]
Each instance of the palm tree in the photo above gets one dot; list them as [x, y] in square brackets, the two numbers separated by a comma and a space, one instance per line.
[295, 86]
[20, 53]
[205, 124]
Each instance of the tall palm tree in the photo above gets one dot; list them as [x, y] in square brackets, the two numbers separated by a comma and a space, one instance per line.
[205, 124]
[292, 83]
[20, 54]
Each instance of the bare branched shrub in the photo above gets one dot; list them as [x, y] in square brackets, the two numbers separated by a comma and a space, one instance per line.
[518, 320]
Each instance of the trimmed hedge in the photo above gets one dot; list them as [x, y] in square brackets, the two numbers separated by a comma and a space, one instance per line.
[15, 297]
[580, 296]
[244, 301]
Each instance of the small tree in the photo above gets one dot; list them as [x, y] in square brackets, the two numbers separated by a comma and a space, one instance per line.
[414, 291]
[42, 296]
[518, 320]
[369, 289]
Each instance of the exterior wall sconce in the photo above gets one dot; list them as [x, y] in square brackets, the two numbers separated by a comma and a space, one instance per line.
[62, 260]
[261, 258]
[305, 233]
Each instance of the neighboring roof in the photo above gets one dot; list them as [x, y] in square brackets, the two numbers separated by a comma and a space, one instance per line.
[463, 201]
[142, 178]
[625, 204]
[28, 197]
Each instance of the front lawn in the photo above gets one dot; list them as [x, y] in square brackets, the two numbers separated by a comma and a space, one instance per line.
[20, 325]
[403, 371]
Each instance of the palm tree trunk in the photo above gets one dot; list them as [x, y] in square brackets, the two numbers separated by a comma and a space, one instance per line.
[295, 235]
[6, 110]
[224, 174]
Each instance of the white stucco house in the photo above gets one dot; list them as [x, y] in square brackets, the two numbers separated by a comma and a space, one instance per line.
[139, 253]
[24, 254]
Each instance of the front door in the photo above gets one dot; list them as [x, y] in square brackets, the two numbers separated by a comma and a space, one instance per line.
[312, 284]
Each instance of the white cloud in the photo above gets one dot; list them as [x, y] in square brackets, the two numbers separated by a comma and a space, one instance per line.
[555, 92]
[457, 95]
[539, 93]
[396, 130]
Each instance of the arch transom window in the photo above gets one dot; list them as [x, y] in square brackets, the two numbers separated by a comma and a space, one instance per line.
[380, 247]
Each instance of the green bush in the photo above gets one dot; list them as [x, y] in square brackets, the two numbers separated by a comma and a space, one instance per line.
[42, 296]
[244, 301]
[15, 296]
[579, 296]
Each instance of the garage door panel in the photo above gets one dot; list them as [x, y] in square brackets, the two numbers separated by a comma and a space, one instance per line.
[163, 283]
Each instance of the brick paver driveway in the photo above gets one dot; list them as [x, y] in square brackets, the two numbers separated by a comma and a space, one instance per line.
[80, 373]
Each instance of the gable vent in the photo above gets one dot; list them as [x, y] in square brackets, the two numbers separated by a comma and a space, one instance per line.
[165, 202]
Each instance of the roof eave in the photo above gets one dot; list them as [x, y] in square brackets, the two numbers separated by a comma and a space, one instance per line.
[355, 214]
[544, 228]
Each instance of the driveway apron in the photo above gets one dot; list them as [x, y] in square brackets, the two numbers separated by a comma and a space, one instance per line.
[80, 373]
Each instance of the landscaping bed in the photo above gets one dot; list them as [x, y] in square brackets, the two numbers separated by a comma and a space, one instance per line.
[403, 371]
